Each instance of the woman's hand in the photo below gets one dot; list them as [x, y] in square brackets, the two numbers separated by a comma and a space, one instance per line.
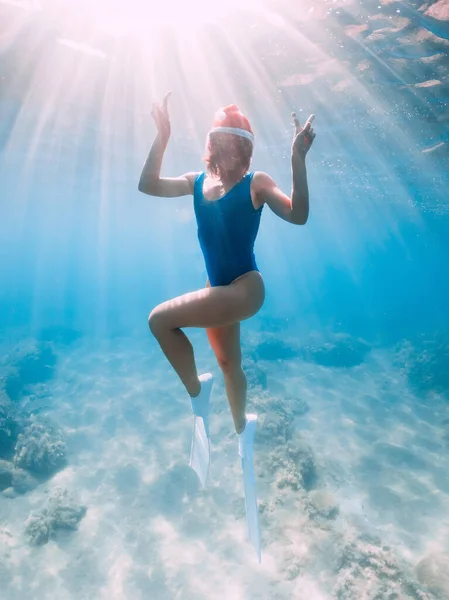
[304, 136]
[159, 112]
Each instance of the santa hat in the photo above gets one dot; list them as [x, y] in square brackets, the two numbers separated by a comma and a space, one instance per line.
[230, 120]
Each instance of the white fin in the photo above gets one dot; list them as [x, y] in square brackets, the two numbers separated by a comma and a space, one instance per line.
[246, 441]
[200, 449]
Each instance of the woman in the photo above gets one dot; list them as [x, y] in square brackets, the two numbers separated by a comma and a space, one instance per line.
[228, 201]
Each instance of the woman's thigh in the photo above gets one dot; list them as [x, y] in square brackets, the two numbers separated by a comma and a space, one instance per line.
[212, 307]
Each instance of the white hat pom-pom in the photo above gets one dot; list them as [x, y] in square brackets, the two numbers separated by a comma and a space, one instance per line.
[220, 115]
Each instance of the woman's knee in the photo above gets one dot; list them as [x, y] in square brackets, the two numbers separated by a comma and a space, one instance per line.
[229, 365]
[156, 322]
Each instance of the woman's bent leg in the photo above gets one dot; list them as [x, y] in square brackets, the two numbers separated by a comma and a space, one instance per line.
[179, 351]
[209, 308]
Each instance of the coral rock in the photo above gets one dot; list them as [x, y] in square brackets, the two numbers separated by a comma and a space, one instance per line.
[40, 449]
[62, 513]
[433, 572]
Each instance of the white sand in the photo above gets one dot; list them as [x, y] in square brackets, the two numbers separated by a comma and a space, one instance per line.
[151, 533]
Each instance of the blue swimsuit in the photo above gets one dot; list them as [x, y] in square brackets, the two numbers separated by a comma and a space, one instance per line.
[227, 230]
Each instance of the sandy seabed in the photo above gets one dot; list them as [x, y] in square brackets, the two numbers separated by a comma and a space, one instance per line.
[352, 472]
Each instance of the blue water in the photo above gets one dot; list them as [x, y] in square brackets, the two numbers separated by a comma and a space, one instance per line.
[347, 362]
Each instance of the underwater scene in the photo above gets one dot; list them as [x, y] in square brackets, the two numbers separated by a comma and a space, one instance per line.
[344, 493]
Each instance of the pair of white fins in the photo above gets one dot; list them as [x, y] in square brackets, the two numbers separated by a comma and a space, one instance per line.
[200, 456]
